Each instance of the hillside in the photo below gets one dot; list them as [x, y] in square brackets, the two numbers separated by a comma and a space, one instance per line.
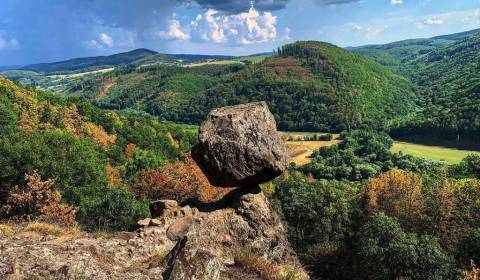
[318, 86]
[166, 91]
[396, 54]
[448, 81]
[308, 86]
[90, 63]
[91, 155]
[137, 57]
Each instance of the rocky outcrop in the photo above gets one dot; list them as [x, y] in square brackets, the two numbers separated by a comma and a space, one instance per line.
[237, 237]
[239, 146]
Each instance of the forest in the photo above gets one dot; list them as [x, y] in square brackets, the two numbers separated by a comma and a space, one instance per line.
[360, 212]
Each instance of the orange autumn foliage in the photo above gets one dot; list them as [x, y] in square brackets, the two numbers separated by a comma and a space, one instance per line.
[98, 135]
[38, 199]
[113, 175]
[181, 181]
[397, 193]
[129, 150]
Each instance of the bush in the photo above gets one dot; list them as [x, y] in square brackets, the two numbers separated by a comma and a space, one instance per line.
[39, 200]
[182, 181]
[115, 209]
[325, 137]
[469, 248]
[315, 211]
[387, 252]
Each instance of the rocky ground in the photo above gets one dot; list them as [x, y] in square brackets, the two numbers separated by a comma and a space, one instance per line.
[243, 241]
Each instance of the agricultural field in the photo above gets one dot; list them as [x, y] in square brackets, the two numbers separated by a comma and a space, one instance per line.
[449, 155]
[300, 150]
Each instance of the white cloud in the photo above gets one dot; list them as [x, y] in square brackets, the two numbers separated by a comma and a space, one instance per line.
[245, 28]
[434, 21]
[93, 44]
[396, 2]
[8, 44]
[106, 40]
[174, 32]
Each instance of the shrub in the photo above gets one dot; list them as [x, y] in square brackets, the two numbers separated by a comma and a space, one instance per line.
[181, 181]
[315, 211]
[325, 137]
[115, 209]
[38, 199]
[469, 248]
[387, 252]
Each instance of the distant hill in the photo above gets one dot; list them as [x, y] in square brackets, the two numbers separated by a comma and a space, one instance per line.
[9, 67]
[138, 57]
[317, 86]
[396, 54]
[448, 80]
[90, 63]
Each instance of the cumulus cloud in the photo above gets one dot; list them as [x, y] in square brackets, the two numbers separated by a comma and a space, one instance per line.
[433, 21]
[244, 28]
[103, 41]
[396, 2]
[174, 32]
[106, 40]
[8, 44]
[236, 6]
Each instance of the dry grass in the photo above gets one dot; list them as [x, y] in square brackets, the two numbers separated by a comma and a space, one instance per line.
[155, 260]
[267, 270]
[6, 230]
[300, 151]
[45, 229]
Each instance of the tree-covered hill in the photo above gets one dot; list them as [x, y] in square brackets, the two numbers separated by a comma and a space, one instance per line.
[448, 80]
[166, 91]
[92, 155]
[138, 57]
[397, 55]
[308, 86]
[318, 86]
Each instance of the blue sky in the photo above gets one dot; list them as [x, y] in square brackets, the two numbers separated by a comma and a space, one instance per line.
[33, 31]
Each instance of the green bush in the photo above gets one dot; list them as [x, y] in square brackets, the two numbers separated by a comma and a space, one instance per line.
[112, 210]
[387, 252]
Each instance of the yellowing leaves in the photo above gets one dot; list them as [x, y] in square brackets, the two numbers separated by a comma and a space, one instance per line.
[99, 135]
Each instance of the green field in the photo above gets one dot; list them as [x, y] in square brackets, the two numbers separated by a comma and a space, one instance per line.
[449, 155]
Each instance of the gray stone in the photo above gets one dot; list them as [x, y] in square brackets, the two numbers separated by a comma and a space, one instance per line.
[239, 146]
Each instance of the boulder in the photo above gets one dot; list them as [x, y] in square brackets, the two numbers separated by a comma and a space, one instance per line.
[158, 207]
[144, 223]
[179, 228]
[240, 146]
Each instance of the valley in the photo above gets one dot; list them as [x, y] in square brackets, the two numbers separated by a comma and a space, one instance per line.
[176, 158]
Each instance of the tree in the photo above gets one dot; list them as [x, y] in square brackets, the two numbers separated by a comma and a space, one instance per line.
[387, 252]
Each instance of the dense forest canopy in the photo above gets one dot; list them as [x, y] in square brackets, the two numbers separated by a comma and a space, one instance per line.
[91, 154]
[307, 85]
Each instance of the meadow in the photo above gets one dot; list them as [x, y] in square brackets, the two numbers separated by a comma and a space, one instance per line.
[437, 153]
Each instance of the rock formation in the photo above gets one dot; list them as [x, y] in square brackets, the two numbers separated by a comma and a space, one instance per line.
[240, 237]
[239, 146]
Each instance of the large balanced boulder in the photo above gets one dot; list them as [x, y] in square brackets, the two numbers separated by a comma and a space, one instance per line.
[240, 146]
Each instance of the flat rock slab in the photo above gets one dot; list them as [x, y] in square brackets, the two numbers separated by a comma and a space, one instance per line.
[240, 146]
